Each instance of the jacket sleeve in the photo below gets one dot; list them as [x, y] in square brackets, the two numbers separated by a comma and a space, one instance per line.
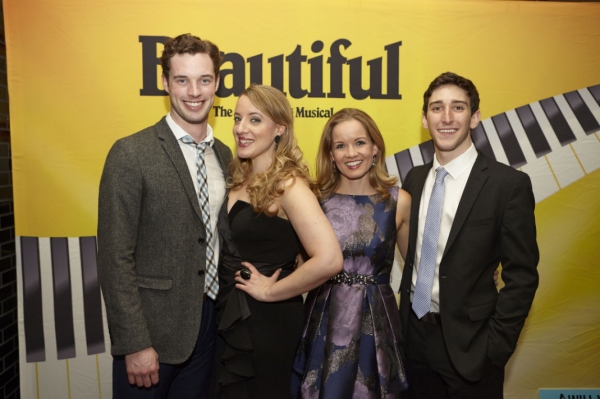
[519, 256]
[119, 207]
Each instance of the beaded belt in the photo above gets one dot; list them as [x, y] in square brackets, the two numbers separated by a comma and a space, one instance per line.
[364, 279]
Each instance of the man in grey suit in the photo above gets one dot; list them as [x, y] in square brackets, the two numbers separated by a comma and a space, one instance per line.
[469, 213]
[157, 241]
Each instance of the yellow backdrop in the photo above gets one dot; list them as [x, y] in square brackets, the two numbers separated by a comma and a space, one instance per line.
[76, 72]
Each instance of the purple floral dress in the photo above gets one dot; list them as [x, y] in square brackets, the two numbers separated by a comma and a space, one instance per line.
[351, 344]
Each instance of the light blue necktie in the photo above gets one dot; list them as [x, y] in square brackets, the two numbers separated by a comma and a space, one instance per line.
[422, 296]
[212, 283]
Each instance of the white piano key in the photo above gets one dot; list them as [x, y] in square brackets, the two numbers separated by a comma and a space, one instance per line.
[590, 102]
[77, 295]
[396, 273]
[542, 179]
[494, 140]
[544, 123]
[565, 165]
[47, 371]
[588, 152]
[416, 156]
[392, 166]
[82, 365]
[570, 117]
[587, 148]
[521, 136]
[47, 288]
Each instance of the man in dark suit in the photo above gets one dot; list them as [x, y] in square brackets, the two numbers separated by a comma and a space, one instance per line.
[160, 193]
[469, 214]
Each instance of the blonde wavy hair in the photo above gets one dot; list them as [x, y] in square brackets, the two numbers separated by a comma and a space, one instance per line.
[288, 160]
[328, 178]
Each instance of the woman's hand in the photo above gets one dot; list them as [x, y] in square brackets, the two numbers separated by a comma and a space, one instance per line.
[258, 285]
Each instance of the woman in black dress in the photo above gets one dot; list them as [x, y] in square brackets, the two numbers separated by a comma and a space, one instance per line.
[269, 213]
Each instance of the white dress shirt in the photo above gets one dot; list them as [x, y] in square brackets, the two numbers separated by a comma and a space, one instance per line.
[458, 170]
[215, 176]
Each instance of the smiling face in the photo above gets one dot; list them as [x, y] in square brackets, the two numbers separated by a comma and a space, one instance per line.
[191, 86]
[352, 150]
[254, 134]
[449, 121]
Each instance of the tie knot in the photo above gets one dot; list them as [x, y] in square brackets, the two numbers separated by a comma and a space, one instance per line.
[189, 140]
[441, 173]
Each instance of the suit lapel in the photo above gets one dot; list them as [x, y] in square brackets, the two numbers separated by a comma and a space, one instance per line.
[171, 147]
[475, 183]
[222, 157]
[415, 188]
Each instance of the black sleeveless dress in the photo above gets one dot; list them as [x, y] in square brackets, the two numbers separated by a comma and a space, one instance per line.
[257, 340]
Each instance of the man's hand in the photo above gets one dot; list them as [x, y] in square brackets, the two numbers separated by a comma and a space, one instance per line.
[142, 367]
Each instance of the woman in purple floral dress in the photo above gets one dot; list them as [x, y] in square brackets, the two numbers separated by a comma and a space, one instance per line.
[351, 344]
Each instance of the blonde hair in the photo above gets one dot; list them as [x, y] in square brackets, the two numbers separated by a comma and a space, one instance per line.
[288, 161]
[328, 178]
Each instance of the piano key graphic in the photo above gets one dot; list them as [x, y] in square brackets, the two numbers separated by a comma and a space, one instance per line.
[63, 301]
[554, 140]
[32, 300]
[60, 285]
[595, 92]
[529, 125]
[581, 112]
[508, 140]
[92, 299]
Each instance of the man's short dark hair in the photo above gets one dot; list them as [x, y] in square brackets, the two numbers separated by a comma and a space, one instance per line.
[450, 78]
[188, 44]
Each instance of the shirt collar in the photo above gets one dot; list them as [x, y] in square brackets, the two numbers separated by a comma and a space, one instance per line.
[179, 132]
[460, 163]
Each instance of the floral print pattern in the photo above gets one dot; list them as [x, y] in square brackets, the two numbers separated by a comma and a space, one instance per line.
[351, 347]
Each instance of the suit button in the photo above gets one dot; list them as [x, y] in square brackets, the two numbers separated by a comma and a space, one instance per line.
[201, 240]
[200, 273]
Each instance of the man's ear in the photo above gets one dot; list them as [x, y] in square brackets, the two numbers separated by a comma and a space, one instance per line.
[475, 118]
[165, 82]
[424, 121]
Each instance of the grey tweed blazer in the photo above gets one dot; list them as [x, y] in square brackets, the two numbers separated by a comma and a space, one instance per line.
[152, 245]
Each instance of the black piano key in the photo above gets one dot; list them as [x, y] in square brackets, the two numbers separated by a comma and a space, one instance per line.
[33, 319]
[582, 112]
[558, 122]
[595, 90]
[533, 131]
[509, 141]
[427, 151]
[479, 137]
[63, 300]
[404, 162]
[94, 330]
